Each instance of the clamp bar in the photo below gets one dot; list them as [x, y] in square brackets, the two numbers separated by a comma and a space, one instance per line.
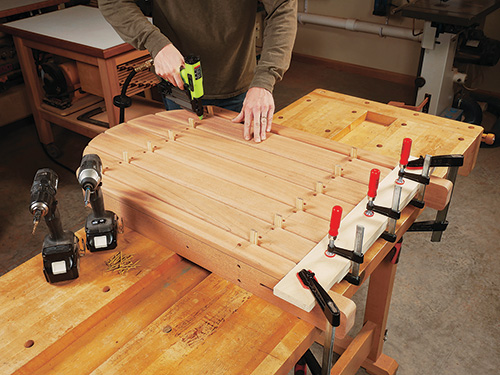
[332, 314]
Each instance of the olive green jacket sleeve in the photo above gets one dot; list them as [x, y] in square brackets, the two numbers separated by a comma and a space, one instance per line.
[132, 26]
[279, 37]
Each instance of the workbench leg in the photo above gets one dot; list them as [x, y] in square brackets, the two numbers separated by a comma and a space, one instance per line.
[377, 311]
[34, 90]
[110, 88]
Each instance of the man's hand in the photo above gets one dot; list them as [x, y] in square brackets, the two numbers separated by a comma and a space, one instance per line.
[257, 114]
[168, 63]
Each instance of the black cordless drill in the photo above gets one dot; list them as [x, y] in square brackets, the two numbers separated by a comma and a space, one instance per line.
[61, 250]
[101, 226]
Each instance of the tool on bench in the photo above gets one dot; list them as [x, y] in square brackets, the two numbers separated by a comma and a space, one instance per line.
[61, 250]
[355, 256]
[332, 314]
[192, 77]
[101, 226]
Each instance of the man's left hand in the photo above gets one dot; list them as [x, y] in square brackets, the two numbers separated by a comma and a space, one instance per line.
[257, 114]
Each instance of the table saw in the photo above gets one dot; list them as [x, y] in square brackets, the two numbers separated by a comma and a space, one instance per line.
[216, 223]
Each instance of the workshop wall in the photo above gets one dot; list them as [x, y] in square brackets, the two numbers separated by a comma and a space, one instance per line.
[384, 53]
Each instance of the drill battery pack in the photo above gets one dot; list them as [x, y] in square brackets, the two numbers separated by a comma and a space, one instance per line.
[61, 258]
[101, 231]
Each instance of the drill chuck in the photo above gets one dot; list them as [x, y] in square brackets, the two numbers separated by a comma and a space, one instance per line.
[90, 172]
[43, 192]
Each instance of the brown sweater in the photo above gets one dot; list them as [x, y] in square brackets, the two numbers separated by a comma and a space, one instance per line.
[220, 32]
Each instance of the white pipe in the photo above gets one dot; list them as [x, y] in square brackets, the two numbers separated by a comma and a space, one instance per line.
[362, 26]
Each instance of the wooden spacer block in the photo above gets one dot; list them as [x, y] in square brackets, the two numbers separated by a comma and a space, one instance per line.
[210, 110]
[299, 204]
[338, 171]
[320, 188]
[171, 135]
[126, 159]
[254, 237]
[150, 147]
[278, 221]
[354, 153]
[192, 122]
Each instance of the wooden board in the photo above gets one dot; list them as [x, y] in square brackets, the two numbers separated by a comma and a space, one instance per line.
[327, 274]
[208, 190]
[380, 128]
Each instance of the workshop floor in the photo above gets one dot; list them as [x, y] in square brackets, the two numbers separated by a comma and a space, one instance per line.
[445, 310]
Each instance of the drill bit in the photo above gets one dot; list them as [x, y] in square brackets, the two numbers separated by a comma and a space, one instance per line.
[36, 219]
[87, 196]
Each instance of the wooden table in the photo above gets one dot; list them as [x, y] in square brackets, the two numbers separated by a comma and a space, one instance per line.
[80, 34]
[13, 7]
[172, 316]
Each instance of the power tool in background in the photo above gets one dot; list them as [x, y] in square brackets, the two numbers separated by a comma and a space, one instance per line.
[189, 98]
[61, 249]
[101, 227]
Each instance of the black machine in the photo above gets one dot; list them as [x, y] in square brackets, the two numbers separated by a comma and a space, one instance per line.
[61, 250]
[101, 227]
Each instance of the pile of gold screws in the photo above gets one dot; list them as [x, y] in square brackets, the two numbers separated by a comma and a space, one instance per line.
[121, 263]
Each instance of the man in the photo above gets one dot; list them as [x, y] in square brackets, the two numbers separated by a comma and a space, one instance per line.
[222, 33]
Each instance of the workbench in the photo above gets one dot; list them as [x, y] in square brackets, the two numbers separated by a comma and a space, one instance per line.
[80, 34]
[172, 316]
[14, 7]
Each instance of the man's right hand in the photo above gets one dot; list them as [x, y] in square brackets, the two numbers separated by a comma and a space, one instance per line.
[168, 63]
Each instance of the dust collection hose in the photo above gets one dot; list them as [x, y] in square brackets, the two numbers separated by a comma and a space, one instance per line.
[123, 101]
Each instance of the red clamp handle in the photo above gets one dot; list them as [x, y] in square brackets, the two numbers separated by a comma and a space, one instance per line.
[335, 221]
[405, 151]
[373, 184]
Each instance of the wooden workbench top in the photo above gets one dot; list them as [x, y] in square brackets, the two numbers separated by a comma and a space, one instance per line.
[380, 128]
[167, 316]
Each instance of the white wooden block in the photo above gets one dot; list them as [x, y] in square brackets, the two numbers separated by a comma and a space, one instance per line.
[329, 271]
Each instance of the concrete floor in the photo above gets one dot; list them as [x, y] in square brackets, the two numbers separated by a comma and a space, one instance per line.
[445, 310]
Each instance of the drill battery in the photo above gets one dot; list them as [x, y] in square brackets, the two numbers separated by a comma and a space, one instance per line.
[61, 258]
[101, 231]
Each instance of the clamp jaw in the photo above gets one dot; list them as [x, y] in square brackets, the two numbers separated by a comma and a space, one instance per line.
[453, 162]
[332, 314]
